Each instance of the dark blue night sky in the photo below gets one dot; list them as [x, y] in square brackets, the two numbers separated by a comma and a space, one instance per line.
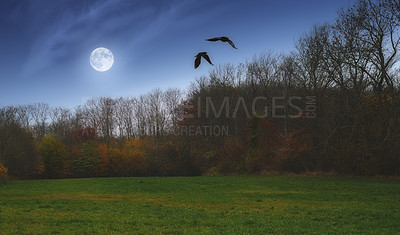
[46, 44]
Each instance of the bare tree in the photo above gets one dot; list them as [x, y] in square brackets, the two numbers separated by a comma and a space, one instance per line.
[141, 120]
[107, 117]
[380, 31]
[61, 119]
[156, 112]
[311, 55]
[172, 98]
[125, 116]
[40, 114]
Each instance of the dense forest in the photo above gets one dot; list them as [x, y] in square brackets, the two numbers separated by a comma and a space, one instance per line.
[331, 105]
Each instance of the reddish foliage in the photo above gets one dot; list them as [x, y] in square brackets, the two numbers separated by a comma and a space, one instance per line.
[294, 151]
[84, 135]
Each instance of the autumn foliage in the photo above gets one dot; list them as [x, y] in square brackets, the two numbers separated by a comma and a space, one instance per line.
[54, 156]
[3, 173]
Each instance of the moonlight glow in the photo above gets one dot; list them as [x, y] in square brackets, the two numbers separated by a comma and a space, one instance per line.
[101, 59]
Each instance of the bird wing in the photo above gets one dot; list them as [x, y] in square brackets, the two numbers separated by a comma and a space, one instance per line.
[231, 43]
[214, 39]
[207, 58]
[197, 61]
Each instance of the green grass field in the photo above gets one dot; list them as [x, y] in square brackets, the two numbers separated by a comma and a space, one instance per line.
[170, 205]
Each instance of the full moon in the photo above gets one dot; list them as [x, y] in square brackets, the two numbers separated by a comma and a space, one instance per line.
[101, 59]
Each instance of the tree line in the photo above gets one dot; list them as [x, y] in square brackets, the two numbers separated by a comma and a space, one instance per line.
[330, 105]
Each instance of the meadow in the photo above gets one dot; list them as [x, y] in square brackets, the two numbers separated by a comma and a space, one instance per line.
[210, 205]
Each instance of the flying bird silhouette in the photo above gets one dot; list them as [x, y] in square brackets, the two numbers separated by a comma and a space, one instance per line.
[223, 39]
[197, 61]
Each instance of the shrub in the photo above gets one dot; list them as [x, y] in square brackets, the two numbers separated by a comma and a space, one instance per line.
[3, 173]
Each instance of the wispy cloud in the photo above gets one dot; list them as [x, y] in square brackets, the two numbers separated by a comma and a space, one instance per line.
[59, 32]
